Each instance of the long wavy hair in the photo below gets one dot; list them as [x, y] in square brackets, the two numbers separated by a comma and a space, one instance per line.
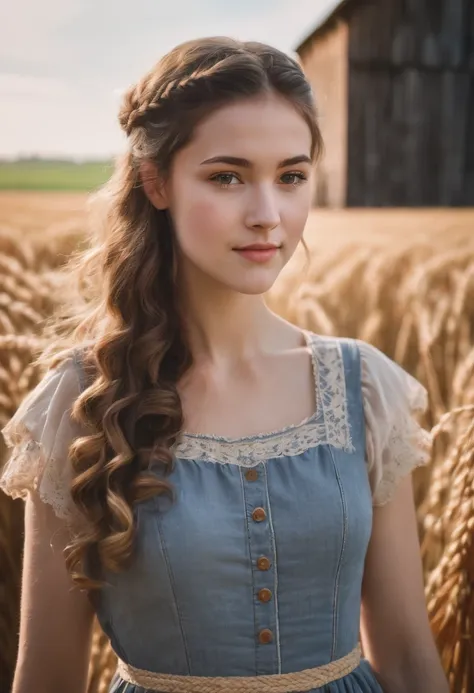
[123, 317]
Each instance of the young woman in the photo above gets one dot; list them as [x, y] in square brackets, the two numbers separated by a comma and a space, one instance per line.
[229, 493]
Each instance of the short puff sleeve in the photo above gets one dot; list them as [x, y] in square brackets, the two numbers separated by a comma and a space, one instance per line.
[40, 433]
[395, 442]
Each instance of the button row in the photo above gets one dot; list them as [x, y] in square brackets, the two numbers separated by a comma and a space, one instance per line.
[265, 636]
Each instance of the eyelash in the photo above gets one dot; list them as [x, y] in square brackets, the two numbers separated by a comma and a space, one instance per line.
[298, 174]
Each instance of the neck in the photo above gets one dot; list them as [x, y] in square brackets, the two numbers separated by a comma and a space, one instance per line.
[226, 325]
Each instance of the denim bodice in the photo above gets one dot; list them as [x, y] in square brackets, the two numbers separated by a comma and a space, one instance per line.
[256, 566]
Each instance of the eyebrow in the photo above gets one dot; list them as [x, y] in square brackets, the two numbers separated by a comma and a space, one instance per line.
[245, 163]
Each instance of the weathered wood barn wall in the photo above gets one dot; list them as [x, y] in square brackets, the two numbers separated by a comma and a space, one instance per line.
[394, 80]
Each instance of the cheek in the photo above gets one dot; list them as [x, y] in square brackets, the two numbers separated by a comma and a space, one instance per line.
[201, 220]
[296, 216]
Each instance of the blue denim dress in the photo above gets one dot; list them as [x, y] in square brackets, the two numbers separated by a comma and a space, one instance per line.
[256, 567]
[267, 535]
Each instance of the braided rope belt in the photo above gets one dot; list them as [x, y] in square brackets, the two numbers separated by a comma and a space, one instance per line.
[270, 683]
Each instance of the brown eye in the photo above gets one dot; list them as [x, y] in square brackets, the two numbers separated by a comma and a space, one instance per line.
[224, 179]
[297, 178]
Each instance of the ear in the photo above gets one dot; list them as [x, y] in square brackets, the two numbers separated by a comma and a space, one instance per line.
[153, 185]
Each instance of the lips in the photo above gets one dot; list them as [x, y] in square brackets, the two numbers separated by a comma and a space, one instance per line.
[258, 252]
[260, 246]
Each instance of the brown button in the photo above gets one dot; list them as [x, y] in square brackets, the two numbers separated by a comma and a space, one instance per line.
[263, 563]
[265, 636]
[259, 514]
[251, 475]
[264, 595]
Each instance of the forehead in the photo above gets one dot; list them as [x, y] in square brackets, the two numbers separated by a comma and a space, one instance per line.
[266, 126]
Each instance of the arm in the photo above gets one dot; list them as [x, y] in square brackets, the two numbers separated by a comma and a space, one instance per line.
[395, 630]
[56, 618]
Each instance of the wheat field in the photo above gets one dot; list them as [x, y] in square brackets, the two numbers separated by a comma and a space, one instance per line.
[400, 279]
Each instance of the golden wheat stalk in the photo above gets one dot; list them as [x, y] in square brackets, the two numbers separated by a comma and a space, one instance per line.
[449, 586]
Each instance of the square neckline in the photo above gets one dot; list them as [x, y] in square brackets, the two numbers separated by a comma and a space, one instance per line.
[308, 338]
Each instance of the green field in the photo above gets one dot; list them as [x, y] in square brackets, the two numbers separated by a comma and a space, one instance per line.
[37, 174]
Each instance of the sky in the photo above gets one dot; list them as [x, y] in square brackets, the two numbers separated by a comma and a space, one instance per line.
[65, 63]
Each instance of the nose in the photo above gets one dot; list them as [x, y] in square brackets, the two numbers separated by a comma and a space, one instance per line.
[262, 212]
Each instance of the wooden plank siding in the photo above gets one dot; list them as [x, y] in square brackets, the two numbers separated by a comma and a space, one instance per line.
[410, 106]
[411, 33]
[410, 103]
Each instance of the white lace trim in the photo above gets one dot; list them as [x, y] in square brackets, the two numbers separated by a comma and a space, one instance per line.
[329, 424]
[410, 447]
[406, 454]
[27, 469]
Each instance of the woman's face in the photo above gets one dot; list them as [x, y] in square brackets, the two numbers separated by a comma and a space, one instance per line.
[242, 181]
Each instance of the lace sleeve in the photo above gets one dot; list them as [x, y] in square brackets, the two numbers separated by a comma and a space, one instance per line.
[39, 435]
[395, 442]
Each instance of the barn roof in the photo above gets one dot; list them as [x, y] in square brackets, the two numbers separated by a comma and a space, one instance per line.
[332, 9]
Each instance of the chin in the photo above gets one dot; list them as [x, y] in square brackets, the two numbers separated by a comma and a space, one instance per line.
[254, 286]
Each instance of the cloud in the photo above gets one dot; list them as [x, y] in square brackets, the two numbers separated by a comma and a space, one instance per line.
[27, 27]
[17, 86]
[43, 116]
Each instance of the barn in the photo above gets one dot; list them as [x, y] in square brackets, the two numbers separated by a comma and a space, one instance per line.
[394, 80]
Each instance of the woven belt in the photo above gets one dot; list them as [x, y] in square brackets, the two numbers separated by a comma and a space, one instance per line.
[269, 683]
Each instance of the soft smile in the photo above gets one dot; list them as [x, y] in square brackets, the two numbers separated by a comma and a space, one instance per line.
[258, 252]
